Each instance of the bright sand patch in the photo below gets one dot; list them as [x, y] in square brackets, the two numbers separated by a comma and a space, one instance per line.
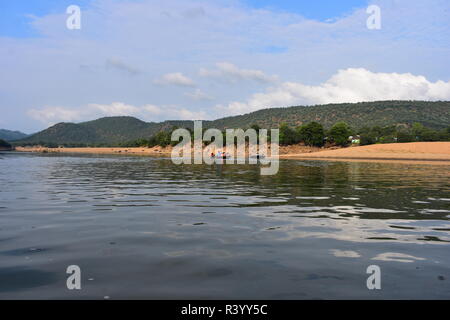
[423, 151]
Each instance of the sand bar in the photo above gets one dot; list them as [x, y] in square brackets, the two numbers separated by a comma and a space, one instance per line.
[413, 151]
[436, 152]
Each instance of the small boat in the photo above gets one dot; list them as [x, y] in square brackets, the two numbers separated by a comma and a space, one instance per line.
[221, 155]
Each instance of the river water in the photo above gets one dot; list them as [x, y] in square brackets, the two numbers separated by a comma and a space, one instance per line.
[144, 228]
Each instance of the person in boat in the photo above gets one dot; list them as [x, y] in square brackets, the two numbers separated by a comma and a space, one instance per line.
[221, 155]
[257, 156]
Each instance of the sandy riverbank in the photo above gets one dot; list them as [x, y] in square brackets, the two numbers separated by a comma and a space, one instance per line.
[283, 150]
[137, 151]
[414, 151]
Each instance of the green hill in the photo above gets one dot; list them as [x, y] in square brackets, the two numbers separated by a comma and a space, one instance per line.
[434, 115]
[4, 146]
[103, 131]
[115, 130]
[9, 135]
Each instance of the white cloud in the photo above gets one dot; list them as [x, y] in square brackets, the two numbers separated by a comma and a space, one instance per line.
[198, 95]
[61, 67]
[149, 112]
[229, 72]
[121, 65]
[176, 78]
[349, 85]
[113, 109]
[152, 109]
[52, 115]
[185, 114]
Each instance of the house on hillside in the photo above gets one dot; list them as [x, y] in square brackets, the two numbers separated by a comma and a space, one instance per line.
[354, 139]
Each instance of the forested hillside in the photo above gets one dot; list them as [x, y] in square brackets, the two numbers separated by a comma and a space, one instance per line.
[116, 130]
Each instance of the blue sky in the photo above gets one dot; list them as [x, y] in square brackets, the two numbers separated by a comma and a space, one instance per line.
[205, 59]
[318, 9]
[14, 14]
[15, 21]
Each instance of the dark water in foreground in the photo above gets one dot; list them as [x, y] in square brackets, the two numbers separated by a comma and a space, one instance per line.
[145, 228]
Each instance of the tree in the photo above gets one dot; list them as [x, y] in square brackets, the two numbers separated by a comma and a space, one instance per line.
[368, 135]
[256, 128]
[445, 135]
[422, 133]
[417, 131]
[287, 135]
[162, 138]
[312, 134]
[430, 135]
[404, 136]
[388, 139]
[367, 138]
[340, 133]
[388, 131]
[4, 144]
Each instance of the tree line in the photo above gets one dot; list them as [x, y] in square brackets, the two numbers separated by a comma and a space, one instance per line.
[313, 134]
[4, 144]
[309, 134]
[392, 134]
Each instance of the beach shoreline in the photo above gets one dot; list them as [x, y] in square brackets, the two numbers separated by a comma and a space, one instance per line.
[100, 150]
[415, 152]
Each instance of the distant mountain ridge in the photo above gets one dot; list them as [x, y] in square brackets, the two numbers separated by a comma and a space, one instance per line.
[114, 130]
[108, 130]
[9, 135]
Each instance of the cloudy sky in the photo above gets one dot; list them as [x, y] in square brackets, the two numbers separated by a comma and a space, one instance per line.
[187, 59]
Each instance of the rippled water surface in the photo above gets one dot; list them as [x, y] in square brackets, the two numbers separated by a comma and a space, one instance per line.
[142, 227]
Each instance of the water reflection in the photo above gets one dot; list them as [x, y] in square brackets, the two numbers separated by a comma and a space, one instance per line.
[398, 257]
[222, 231]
